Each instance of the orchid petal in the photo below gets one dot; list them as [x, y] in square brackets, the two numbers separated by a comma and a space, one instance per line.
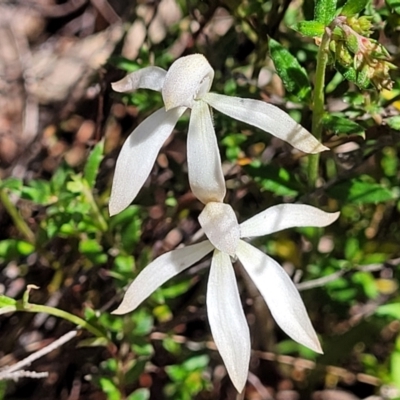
[187, 78]
[145, 78]
[137, 156]
[206, 178]
[159, 271]
[280, 294]
[221, 227]
[227, 320]
[267, 117]
[285, 216]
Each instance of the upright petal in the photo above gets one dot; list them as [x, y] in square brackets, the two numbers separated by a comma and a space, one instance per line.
[281, 295]
[137, 156]
[188, 78]
[204, 162]
[145, 78]
[227, 320]
[159, 271]
[267, 117]
[285, 216]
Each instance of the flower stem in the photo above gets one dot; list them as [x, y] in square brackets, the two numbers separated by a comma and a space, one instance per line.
[318, 104]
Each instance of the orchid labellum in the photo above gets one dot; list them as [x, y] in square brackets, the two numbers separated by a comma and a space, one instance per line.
[225, 239]
[186, 85]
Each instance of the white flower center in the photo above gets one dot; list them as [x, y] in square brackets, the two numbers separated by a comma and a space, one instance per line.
[187, 80]
[221, 227]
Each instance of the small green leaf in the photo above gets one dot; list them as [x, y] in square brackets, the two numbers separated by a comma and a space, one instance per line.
[361, 192]
[7, 301]
[12, 248]
[274, 179]
[353, 7]
[11, 183]
[325, 11]
[394, 5]
[360, 78]
[93, 163]
[38, 191]
[93, 342]
[340, 125]
[293, 75]
[310, 28]
[389, 310]
[394, 122]
[139, 394]
[109, 387]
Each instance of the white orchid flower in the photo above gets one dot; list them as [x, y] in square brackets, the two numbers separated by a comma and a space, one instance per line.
[225, 313]
[186, 85]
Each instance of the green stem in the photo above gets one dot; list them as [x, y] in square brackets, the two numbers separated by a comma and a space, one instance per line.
[38, 308]
[19, 222]
[101, 222]
[318, 105]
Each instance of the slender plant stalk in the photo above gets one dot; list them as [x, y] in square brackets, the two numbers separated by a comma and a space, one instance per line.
[19, 222]
[39, 308]
[318, 105]
[24, 305]
[101, 222]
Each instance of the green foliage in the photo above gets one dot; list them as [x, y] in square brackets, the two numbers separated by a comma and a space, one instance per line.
[294, 77]
[310, 28]
[340, 125]
[353, 7]
[362, 190]
[187, 378]
[325, 11]
[61, 225]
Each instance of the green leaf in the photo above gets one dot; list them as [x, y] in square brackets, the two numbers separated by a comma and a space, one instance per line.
[394, 122]
[93, 342]
[38, 191]
[293, 75]
[109, 387]
[93, 163]
[139, 394]
[11, 183]
[389, 310]
[274, 179]
[310, 28]
[12, 248]
[361, 192]
[394, 5]
[360, 78]
[7, 301]
[340, 125]
[353, 7]
[197, 362]
[325, 11]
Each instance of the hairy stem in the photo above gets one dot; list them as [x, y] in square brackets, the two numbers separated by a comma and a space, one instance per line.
[318, 105]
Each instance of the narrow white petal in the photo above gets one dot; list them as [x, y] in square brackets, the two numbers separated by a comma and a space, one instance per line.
[267, 117]
[206, 178]
[221, 227]
[137, 156]
[145, 78]
[188, 78]
[227, 320]
[285, 216]
[280, 294]
[159, 271]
